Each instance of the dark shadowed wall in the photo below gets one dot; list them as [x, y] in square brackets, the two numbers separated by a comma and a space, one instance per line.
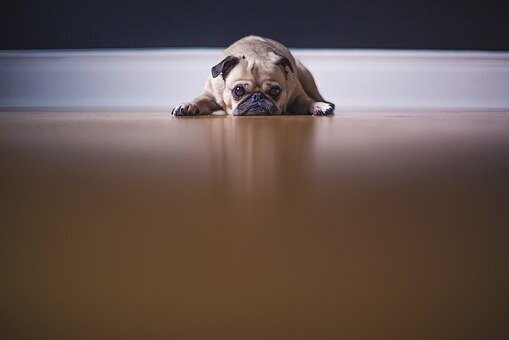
[392, 24]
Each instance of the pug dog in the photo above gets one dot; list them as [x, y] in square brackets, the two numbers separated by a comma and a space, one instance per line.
[258, 76]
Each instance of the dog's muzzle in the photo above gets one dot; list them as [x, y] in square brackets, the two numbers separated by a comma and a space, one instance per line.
[257, 104]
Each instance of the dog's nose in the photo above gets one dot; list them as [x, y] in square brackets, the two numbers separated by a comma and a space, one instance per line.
[257, 96]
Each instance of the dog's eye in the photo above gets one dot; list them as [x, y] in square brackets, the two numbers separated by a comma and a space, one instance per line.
[239, 91]
[275, 91]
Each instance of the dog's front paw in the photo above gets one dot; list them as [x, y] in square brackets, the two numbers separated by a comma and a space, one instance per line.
[322, 109]
[186, 109]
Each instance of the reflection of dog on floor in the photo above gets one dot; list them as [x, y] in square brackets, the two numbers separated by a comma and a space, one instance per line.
[258, 76]
[255, 157]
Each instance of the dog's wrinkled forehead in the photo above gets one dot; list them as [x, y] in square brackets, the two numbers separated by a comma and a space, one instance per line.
[256, 70]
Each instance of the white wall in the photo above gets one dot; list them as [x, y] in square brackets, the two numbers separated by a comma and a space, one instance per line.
[157, 79]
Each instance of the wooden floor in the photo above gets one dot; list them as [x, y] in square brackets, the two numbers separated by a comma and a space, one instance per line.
[364, 225]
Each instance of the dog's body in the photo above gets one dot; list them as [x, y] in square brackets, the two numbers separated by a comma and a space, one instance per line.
[258, 76]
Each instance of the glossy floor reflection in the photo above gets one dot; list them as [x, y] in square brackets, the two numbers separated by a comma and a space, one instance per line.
[367, 225]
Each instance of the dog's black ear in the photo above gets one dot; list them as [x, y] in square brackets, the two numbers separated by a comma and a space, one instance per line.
[284, 62]
[225, 66]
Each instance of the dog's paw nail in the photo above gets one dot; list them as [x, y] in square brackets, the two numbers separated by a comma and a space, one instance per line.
[185, 110]
[322, 109]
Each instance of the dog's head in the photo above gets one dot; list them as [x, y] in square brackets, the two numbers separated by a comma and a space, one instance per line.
[254, 85]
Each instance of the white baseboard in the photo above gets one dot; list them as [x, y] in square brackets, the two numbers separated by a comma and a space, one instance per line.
[157, 79]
